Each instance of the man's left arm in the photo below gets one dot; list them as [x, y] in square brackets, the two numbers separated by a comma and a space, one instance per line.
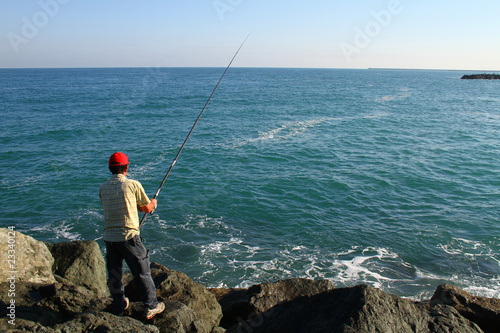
[143, 203]
[151, 206]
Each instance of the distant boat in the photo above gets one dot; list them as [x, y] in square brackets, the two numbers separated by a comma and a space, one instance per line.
[481, 77]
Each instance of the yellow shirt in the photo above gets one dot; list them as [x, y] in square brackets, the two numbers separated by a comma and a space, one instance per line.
[120, 197]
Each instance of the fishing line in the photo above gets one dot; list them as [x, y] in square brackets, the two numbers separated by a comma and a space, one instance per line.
[191, 131]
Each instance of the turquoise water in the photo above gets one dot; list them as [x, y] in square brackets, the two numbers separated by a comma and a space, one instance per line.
[389, 178]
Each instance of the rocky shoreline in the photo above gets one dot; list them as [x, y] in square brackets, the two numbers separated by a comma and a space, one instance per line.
[62, 288]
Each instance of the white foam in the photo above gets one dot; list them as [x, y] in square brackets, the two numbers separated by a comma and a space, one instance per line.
[448, 249]
[293, 129]
[473, 244]
[32, 180]
[358, 269]
[228, 258]
[300, 261]
[468, 248]
[218, 247]
[483, 291]
[63, 230]
[142, 171]
[284, 132]
[376, 115]
[403, 94]
[376, 266]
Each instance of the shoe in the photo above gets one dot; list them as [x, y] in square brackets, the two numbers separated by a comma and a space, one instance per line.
[150, 313]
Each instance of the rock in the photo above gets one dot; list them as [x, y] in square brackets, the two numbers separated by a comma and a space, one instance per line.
[23, 325]
[26, 309]
[32, 261]
[65, 308]
[240, 304]
[177, 286]
[485, 312]
[178, 318]
[481, 77]
[81, 263]
[76, 304]
[447, 319]
[49, 304]
[356, 309]
[69, 300]
[104, 322]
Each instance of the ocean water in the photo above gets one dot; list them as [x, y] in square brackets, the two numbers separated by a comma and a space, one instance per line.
[384, 177]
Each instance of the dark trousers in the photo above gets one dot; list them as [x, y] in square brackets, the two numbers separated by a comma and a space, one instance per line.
[137, 258]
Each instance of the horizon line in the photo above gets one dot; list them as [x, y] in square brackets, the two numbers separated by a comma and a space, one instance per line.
[263, 67]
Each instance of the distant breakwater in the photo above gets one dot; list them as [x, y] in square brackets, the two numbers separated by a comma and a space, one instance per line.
[481, 77]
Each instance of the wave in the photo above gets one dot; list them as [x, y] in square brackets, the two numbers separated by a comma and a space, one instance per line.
[148, 170]
[288, 130]
[295, 128]
[376, 115]
[378, 267]
[362, 266]
[62, 231]
[80, 224]
[284, 132]
[29, 181]
[224, 257]
[403, 94]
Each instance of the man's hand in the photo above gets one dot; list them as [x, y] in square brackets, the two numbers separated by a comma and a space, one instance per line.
[155, 203]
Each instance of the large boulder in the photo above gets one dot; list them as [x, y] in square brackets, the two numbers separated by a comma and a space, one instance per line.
[47, 304]
[177, 286]
[356, 309]
[85, 322]
[177, 317]
[24, 258]
[68, 300]
[485, 312]
[24, 307]
[447, 319]
[104, 322]
[81, 263]
[240, 304]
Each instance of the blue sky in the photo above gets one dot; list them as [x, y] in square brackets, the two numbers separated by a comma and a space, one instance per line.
[444, 34]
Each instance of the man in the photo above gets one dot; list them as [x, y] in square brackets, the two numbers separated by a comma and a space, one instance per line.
[121, 198]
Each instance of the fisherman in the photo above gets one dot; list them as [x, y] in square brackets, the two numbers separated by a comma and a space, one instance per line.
[121, 198]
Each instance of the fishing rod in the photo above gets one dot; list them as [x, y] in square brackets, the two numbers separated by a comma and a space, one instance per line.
[191, 131]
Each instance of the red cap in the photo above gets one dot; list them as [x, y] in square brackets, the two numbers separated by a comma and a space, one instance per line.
[118, 159]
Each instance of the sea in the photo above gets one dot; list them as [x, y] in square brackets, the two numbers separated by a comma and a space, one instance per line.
[389, 178]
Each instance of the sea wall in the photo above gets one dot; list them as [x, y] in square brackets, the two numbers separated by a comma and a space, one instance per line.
[62, 288]
[481, 77]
